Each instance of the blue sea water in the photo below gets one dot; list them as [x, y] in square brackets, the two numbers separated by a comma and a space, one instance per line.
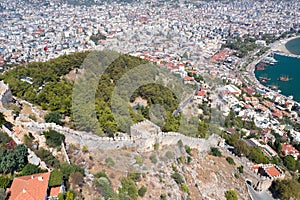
[286, 66]
[294, 46]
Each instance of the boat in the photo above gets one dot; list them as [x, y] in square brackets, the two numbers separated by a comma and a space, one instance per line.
[264, 79]
[273, 87]
[284, 78]
[260, 68]
[270, 60]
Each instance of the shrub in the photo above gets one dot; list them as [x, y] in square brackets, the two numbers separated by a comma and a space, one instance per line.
[163, 197]
[76, 178]
[241, 169]
[53, 117]
[180, 143]
[185, 188]
[230, 160]
[180, 159]
[142, 191]
[231, 195]
[85, 149]
[110, 162]
[101, 174]
[54, 138]
[47, 156]
[33, 117]
[177, 178]
[105, 188]
[153, 158]
[139, 160]
[188, 149]
[28, 139]
[156, 146]
[215, 152]
[169, 155]
[3, 194]
[136, 177]
[189, 159]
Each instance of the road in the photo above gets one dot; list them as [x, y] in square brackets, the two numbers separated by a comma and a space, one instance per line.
[258, 195]
[175, 113]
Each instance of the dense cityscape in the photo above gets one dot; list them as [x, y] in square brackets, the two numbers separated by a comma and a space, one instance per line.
[247, 133]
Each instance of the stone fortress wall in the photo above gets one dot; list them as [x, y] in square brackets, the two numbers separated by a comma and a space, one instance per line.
[143, 137]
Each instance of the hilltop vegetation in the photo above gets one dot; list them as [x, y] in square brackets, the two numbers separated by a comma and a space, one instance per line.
[45, 84]
[97, 100]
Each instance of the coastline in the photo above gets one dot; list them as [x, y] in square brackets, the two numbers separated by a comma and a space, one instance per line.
[279, 48]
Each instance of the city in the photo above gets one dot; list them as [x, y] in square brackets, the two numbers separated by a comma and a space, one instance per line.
[214, 47]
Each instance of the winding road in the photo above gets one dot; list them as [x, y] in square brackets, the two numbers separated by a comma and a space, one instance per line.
[263, 195]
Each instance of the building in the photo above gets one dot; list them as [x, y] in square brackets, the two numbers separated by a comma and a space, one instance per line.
[288, 149]
[269, 171]
[233, 89]
[33, 187]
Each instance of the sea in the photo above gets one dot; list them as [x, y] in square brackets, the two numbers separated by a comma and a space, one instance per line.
[285, 66]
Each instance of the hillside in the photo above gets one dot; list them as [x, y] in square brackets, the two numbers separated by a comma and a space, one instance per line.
[50, 85]
[203, 177]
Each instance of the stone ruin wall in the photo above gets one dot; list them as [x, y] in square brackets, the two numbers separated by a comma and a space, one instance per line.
[139, 139]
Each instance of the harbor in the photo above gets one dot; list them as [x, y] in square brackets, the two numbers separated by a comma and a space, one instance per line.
[281, 77]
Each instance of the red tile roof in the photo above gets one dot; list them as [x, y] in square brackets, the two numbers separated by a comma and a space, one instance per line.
[33, 187]
[288, 149]
[54, 191]
[277, 114]
[201, 93]
[188, 78]
[272, 171]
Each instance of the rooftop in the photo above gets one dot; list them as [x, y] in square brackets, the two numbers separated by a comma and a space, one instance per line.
[32, 187]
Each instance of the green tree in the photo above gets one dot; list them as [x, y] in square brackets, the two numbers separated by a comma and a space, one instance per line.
[231, 195]
[241, 148]
[69, 195]
[2, 119]
[105, 188]
[67, 169]
[290, 162]
[128, 189]
[5, 182]
[21, 153]
[286, 189]
[54, 117]
[3, 194]
[142, 191]
[30, 169]
[55, 178]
